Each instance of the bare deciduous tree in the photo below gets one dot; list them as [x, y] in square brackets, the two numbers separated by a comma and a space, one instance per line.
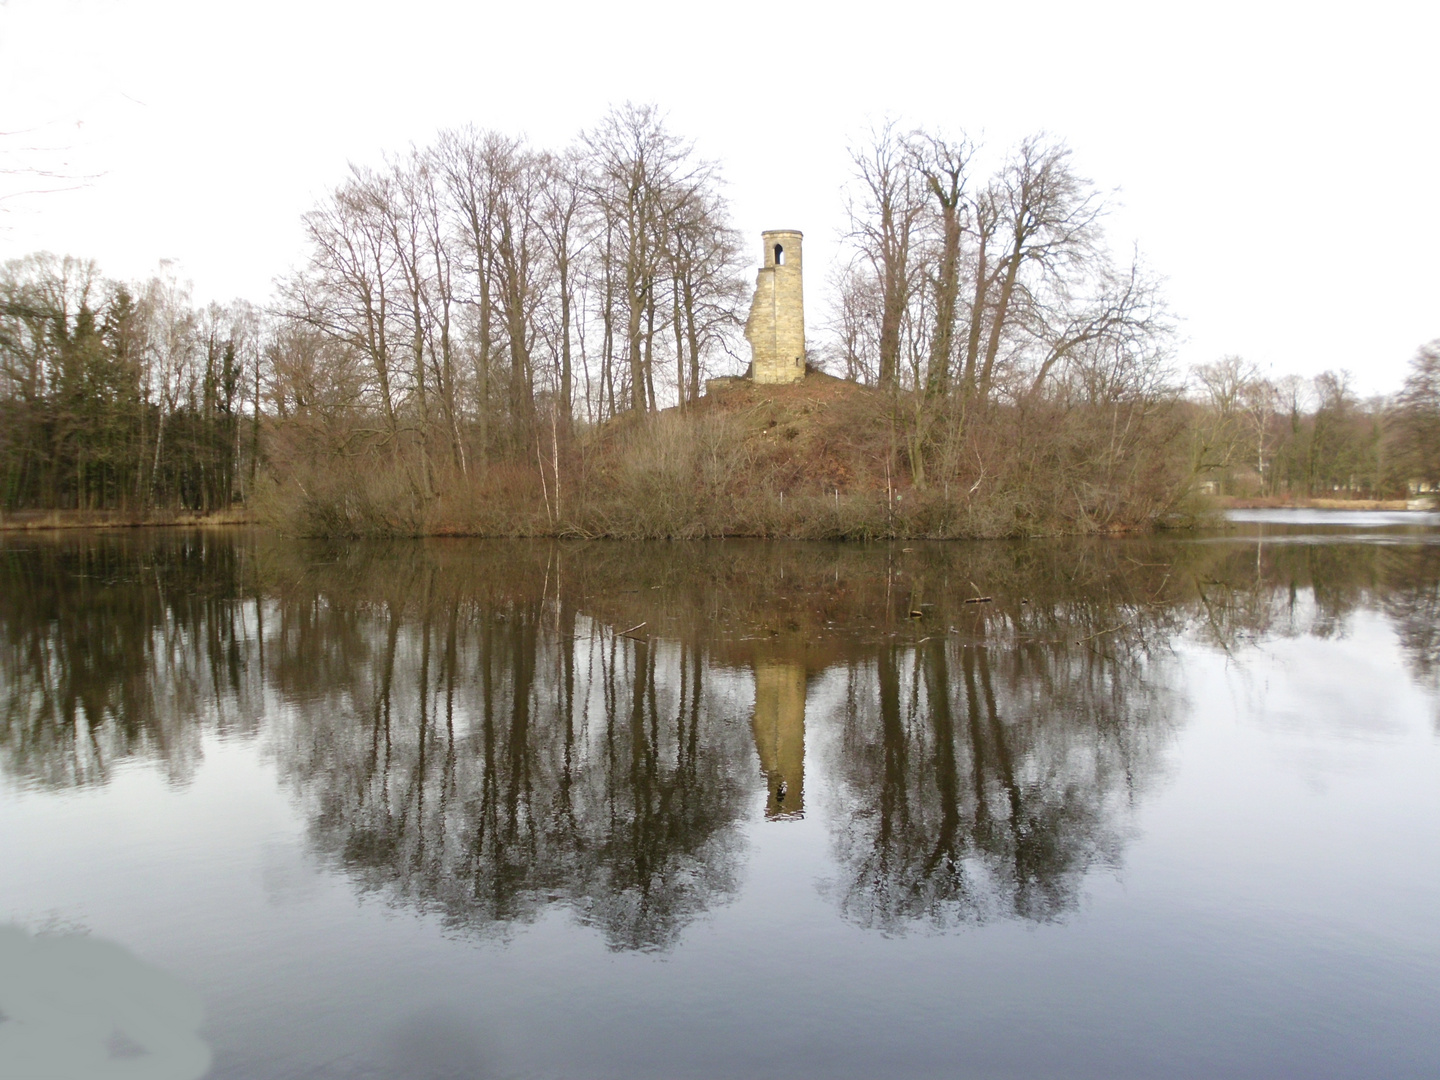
[885, 218]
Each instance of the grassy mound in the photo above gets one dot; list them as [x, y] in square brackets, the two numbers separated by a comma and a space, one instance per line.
[818, 459]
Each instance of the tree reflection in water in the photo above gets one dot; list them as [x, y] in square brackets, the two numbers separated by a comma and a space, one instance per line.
[486, 730]
[989, 779]
[114, 647]
[494, 758]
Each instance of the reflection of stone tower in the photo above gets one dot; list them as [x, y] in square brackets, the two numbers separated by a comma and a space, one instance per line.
[776, 326]
[779, 725]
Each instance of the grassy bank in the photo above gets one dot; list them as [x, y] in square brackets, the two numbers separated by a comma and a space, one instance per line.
[821, 459]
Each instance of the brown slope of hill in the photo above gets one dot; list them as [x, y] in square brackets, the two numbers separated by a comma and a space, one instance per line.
[819, 459]
[816, 435]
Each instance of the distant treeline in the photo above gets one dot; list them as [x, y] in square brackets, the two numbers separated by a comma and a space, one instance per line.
[115, 396]
[1314, 438]
[473, 320]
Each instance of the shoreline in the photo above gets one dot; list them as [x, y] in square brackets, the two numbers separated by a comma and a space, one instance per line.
[50, 520]
[46, 520]
[1234, 502]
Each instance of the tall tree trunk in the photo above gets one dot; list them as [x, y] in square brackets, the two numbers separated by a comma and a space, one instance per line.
[947, 290]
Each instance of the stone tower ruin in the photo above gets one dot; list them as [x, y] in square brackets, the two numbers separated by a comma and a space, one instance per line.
[779, 726]
[776, 326]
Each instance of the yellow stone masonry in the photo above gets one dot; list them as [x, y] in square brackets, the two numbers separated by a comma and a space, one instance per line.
[779, 726]
[776, 326]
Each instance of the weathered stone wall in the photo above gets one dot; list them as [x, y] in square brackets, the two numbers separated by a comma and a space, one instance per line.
[776, 326]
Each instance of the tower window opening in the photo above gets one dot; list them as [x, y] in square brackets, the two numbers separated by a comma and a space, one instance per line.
[779, 255]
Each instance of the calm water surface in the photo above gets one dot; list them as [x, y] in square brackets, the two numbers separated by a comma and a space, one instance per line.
[1163, 807]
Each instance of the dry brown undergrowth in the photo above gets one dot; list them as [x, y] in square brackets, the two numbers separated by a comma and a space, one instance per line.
[818, 459]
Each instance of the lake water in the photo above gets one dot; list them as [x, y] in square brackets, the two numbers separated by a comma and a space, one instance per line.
[1153, 807]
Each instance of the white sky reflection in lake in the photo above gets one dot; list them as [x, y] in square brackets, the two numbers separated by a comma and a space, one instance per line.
[1255, 898]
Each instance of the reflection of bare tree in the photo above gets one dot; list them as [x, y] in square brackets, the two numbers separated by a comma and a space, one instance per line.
[111, 648]
[489, 761]
[1248, 592]
[989, 779]
[1412, 600]
[469, 733]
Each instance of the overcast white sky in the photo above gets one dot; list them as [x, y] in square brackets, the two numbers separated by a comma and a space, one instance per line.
[1278, 163]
